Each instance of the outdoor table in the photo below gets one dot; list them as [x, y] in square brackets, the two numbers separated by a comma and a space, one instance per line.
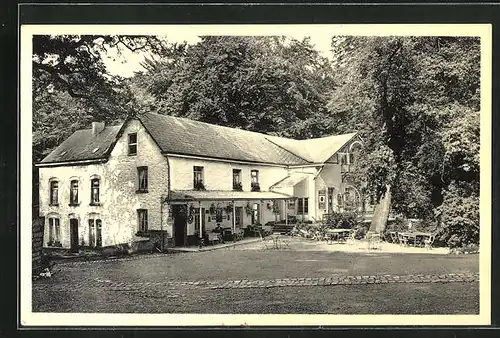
[414, 235]
[338, 233]
[275, 237]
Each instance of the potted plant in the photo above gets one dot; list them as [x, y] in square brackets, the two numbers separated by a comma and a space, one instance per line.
[199, 186]
[276, 208]
[248, 209]
[255, 186]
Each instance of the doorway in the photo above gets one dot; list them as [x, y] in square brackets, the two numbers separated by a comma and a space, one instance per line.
[180, 225]
[73, 231]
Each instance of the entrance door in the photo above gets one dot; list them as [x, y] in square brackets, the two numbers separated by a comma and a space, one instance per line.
[73, 230]
[331, 192]
[180, 225]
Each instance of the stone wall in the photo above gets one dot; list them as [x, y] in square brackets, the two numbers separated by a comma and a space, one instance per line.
[36, 244]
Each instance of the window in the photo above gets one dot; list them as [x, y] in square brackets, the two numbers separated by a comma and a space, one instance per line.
[303, 206]
[142, 173]
[198, 178]
[351, 158]
[73, 193]
[237, 179]
[218, 215]
[237, 215]
[142, 215]
[255, 213]
[343, 159]
[254, 176]
[54, 232]
[54, 193]
[95, 233]
[197, 220]
[132, 144]
[94, 191]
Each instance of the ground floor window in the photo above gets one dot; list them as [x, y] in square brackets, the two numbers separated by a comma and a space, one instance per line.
[197, 220]
[95, 233]
[237, 216]
[303, 206]
[54, 232]
[255, 214]
[142, 215]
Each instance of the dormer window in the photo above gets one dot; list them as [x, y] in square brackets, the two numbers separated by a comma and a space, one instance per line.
[54, 193]
[132, 144]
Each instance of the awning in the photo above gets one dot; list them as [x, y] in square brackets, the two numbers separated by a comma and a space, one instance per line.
[290, 181]
[218, 195]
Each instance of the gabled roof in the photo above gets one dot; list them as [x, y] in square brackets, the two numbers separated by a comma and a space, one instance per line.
[82, 145]
[175, 135]
[316, 150]
[183, 136]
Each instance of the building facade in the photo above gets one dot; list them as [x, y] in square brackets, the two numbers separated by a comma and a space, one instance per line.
[162, 178]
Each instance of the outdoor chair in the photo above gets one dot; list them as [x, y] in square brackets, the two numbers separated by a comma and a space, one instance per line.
[394, 237]
[429, 241]
[265, 241]
[351, 239]
[214, 237]
[285, 242]
[402, 239]
[374, 241]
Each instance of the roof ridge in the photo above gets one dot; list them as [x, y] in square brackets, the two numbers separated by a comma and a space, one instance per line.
[218, 125]
[287, 150]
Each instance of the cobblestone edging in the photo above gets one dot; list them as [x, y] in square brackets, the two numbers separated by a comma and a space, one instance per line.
[81, 261]
[269, 283]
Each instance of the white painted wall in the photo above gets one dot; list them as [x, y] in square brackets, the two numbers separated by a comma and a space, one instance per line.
[118, 186]
[219, 175]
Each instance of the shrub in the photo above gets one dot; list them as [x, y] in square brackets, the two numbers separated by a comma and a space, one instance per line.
[346, 220]
[458, 216]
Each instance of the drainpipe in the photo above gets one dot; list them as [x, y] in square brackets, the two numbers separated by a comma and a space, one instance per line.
[161, 205]
[161, 224]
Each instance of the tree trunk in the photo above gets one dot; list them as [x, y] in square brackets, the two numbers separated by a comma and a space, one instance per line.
[381, 213]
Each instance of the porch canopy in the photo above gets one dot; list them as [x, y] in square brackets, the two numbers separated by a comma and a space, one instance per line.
[223, 195]
[290, 181]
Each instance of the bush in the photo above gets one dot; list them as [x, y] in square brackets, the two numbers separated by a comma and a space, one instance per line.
[347, 220]
[459, 217]
[468, 249]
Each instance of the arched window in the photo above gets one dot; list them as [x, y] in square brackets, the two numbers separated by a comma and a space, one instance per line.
[54, 192]
[95, 232]
[54, 224]
[95, 191]
[354, 148]
[73, 192]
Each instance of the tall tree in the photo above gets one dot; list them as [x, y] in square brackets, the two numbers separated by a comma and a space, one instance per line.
[403, 93]
[269, 84]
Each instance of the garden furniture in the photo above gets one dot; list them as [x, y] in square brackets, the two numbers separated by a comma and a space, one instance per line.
[428, 241]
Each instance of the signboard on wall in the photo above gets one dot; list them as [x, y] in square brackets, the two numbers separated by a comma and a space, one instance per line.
[321, 199]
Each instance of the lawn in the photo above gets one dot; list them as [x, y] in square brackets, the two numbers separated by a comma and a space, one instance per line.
[142, 272]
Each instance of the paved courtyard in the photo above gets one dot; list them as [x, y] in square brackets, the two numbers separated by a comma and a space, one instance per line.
[248, 279]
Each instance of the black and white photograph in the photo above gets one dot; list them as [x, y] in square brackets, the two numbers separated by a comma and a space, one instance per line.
[218, 174]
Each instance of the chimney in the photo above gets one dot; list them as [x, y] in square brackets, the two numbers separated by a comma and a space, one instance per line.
[97, 127]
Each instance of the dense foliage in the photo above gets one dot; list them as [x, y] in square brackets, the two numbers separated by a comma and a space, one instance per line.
[269, 84]
[415, 101]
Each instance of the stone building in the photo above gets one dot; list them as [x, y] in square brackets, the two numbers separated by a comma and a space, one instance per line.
[161, 177]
